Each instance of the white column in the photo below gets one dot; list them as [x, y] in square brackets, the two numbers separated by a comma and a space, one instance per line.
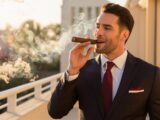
[92, 12]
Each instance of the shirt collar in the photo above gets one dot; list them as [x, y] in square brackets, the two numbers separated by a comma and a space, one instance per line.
[119, 61]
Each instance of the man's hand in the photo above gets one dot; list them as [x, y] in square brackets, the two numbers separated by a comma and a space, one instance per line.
[77, 58]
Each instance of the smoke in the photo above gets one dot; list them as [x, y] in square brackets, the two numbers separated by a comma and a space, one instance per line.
[33, 48]
[81, 28]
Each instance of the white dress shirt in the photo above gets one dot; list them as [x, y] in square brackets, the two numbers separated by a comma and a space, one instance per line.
[117, 70]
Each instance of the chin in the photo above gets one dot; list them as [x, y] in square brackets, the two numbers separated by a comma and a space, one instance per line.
[99, 51]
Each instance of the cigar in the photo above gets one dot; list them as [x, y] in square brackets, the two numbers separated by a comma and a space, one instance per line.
[82, 40]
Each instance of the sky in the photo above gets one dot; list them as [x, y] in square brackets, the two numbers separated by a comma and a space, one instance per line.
[14, 12]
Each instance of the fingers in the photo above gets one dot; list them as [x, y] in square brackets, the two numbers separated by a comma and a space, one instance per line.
[89, 51]
[82, 45]
[87, 36]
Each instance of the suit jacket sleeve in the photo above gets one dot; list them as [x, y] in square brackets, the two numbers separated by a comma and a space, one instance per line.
[154, 102]
[62, 99]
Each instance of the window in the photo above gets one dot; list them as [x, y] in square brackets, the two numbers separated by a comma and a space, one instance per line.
[89, 12]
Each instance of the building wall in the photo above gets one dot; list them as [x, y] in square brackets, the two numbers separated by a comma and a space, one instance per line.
[72, 8]
[144, 41]
[158, 35]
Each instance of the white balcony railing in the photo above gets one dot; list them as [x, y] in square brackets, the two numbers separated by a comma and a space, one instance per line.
[13, 101]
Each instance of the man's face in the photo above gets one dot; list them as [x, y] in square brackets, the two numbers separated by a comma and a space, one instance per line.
[108, 34]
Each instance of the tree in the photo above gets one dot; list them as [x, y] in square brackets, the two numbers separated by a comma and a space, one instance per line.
[51, 32]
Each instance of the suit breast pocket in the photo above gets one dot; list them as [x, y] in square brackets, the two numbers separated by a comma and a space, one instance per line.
[135, 100]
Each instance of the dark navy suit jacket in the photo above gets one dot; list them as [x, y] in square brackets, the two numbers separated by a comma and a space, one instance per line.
[137, 95]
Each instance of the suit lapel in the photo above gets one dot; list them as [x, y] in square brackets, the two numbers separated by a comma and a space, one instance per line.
[98, 85]
[125, 81]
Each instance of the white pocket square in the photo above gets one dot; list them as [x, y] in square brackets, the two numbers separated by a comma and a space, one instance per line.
[136, 90]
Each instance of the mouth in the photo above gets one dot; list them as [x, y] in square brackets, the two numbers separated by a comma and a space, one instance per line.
[100, 41]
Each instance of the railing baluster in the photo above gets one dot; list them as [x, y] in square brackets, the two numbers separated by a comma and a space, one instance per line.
[12, 104]
[38, 91]
[11, 94]
[53, 84]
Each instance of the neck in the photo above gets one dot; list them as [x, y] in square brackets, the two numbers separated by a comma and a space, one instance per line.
[111, 56]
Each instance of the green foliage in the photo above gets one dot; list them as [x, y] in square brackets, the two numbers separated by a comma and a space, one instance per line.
[13, 83]
[50, 32]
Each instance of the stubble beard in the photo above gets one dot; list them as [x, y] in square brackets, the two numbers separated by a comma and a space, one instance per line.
[104, 50]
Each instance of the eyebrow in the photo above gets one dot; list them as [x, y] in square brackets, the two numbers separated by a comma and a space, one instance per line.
[105, 25]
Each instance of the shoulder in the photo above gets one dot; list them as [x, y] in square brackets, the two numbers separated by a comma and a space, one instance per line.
[142, 64]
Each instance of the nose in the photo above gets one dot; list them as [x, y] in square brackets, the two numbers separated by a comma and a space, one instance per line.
[99, 31]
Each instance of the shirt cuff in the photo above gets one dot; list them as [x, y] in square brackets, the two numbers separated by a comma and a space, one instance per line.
[71, 77]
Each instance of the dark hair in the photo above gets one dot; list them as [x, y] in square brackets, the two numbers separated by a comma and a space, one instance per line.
[125, 17]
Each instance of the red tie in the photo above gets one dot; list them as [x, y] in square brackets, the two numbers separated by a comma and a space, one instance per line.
[107, 87]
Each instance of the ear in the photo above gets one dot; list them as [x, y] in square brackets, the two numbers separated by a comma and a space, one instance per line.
[124, 34]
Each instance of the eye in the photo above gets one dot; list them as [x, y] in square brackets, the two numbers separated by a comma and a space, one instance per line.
[107, 28]
[97, 25]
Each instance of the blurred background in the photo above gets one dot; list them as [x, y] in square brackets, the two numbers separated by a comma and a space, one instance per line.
[35, 39]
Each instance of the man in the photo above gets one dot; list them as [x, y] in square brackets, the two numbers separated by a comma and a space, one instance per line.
[113, 86]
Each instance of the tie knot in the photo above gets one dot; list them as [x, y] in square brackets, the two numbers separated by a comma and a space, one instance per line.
[109, 65]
